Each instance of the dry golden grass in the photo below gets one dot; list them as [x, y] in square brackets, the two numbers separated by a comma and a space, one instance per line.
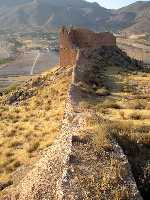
[114, 171]
[32, 124]
[123, 114]
[127, 111]
[99, 130]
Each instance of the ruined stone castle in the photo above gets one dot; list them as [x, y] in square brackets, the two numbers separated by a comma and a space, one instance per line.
[71, 40]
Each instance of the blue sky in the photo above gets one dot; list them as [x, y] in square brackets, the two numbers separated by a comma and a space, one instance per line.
[113, 3]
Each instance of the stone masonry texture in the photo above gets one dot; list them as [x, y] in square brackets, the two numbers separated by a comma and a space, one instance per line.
[71, 40]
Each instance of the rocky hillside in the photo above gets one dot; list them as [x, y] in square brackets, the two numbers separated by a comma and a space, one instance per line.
[49, 14]
[133, 18]
[102, 146]
[25, 115]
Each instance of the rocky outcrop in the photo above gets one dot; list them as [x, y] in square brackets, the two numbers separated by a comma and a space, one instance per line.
[73, 168]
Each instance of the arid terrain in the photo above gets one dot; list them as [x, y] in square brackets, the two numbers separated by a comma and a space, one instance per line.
[91, 122]
[24, 129]
[25, 15]
[74, 100]
[136, 48]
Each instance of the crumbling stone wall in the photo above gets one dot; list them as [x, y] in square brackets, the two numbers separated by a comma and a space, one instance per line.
[72, 40]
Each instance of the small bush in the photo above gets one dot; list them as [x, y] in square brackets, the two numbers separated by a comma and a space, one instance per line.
[110, 104]
[135, 116]
[122, 114]
[11, 88]
[137, 104]
[9, 154]
[32, 147]
[16, 164]
[15, 144]
[101, 137]
[11, 133]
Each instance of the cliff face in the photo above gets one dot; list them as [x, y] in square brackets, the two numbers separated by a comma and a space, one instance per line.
[85, 162]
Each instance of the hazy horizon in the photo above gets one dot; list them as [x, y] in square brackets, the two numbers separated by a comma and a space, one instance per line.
[113, 4]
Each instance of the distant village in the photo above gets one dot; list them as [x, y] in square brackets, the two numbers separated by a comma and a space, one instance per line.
[13, 44]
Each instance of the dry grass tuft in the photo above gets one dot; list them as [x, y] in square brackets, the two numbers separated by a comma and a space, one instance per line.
[100, 133]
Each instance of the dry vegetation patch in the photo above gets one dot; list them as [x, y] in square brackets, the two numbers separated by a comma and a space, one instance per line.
[30, 119]
[124, 115]
[127, 110]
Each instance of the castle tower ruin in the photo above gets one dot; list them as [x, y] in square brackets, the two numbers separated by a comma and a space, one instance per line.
[74, 39]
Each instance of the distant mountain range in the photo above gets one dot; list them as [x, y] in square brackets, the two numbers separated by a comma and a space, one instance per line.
[51, 14]
[132, 18]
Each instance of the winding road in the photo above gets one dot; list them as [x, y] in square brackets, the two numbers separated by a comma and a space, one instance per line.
[34, 63]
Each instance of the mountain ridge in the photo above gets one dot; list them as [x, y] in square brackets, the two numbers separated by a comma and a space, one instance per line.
[48, 14]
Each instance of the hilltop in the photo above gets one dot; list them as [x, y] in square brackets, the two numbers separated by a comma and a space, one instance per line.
[134, 18]
[98, 99]
[27, 15]
[50, 14]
